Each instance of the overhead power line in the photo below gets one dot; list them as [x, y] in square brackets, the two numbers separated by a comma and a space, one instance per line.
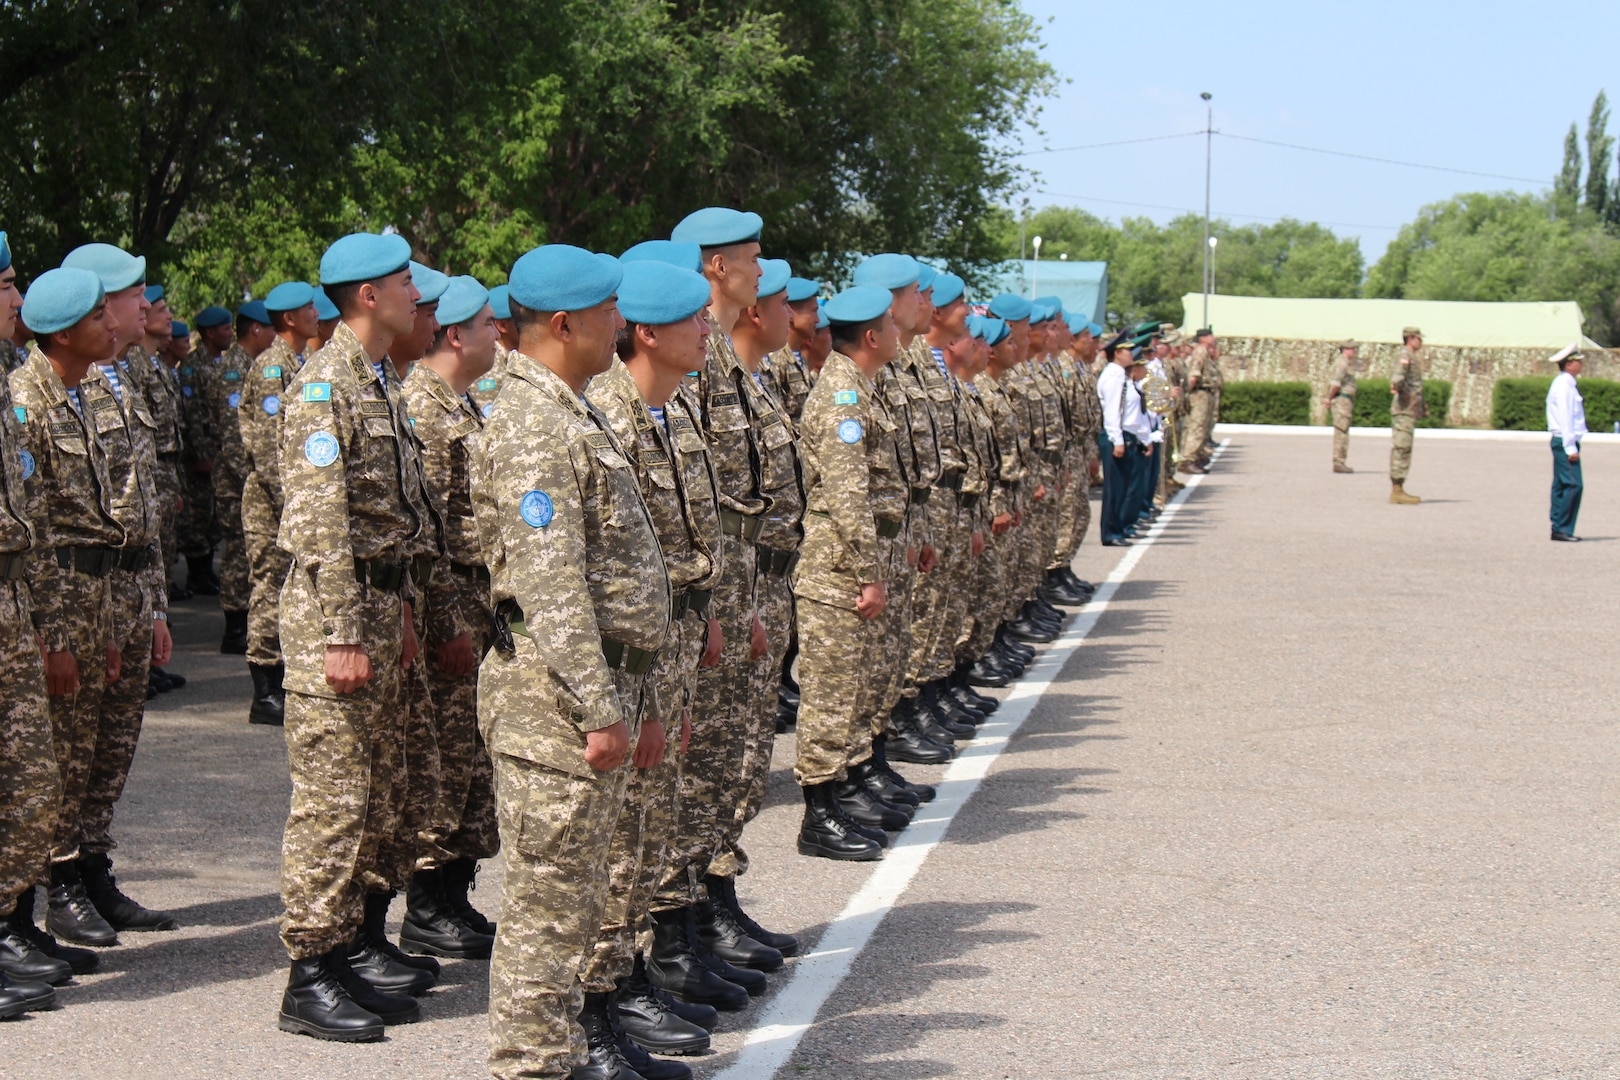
[1098, 145]
[1221, 214]
[1382, 160]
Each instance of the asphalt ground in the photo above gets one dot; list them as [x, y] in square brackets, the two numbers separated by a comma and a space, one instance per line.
[1327, 791]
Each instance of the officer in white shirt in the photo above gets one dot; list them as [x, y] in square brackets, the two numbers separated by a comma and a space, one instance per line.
[1112, 441]
[1566, 423]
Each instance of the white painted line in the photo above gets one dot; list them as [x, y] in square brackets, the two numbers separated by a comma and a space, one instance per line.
[815, 976]
[1443, 434]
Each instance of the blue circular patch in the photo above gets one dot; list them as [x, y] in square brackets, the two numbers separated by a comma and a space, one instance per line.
[321, 449]
[27, 462]
[536, 509]
[234, 400]
[488, 409]
[186, 390]
[849, 431]
[272, 405]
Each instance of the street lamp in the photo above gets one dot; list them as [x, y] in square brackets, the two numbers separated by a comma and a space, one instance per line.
[1035, 273]
[1213, 241]
[1209, 245]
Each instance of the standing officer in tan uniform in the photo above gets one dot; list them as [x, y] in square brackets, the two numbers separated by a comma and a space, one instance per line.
[1341, 403]
[1406, 408]
[1202, 382]
[583, 605]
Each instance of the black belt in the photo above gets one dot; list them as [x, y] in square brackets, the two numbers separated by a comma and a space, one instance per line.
[694, 600]
[633, 660]
[387, 576]
[469, 571]
[12, 567]
[95, 561]
[919, 496]
[952, 481]
[888, 528]
[776, 562]
[735, 524]
[967, 500]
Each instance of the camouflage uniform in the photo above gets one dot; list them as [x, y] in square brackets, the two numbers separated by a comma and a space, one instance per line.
[934, 614]
[975, 614]
[264, 395]
[858, 493]
[162, 393]
[1406, 408]
[482, 393]
[1009, 495]
[225, 390]
[12, 356]
[1042, 427]
[1085, 420]
[198, 530]
[1200, 403]
[672, 467]
[30, 786]
[349, 527]
[70, 503]
[1342, 408]
[790, 380]
[571, 547]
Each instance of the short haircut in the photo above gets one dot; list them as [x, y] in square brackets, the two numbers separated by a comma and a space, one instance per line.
[624, 342]
[851, 333]
[523, 317]
[281, 320]
[245, 324]
[344, 296]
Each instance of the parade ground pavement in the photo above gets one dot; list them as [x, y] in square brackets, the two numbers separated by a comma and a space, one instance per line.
[1322, 787]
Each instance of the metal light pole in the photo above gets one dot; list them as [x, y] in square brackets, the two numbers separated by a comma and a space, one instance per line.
[1209, 247]
[1035, 271]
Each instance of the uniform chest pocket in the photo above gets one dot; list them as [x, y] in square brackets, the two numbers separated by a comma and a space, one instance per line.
[107, 417]
[69, 441]
[143, 417]
[777, 435]
[727, 417]
[380, 427]
[617, 492]
[661, 476]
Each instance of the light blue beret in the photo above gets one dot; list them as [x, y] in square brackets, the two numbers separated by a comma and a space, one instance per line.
[497, 302]
[1038, 313]
[975, 326]
[561, 277]
[429, 282]
[1076, 323]
[116, 268]
[59, 298]
[290, 296]
[325, 310]
[859, 304]
[774, 275]
[925, 276]
[154, 293]
[996, 331]
[1053, 302]
[822, 322]
[255, 310]
[948, 289]
[178, 329]
[717, 226]
[685, 256]
[211, 316]
[364, 257]
[1096, 330]
[462, 298]
[888, 271]
[5, 252]
[656, 293]
[1010, 307]
[799, 288]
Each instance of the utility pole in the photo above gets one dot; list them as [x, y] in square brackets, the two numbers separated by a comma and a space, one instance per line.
[1209, 134]
[1035, 285]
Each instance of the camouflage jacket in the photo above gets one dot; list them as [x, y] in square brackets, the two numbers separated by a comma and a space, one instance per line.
[16, 466]
[791, 380]
[1344, 380]
[781, 477]
[193, 377]
[12, 356]
[488, 385]
[977, 438]
[728, 430]
[259, 418]
[1006, 428]
[126, 430]
[162, 391]
[1407, 384]
[224, 392]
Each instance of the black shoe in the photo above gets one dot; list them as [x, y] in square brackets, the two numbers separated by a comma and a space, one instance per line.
[176, 682]
[936, 718]
[1116, 541]
[985, 672]
[21, 959]
[910, 744]
[1077, 582]
[121, 913]
[862, 807]
[1011, 663]
[706, 1017]
[317, 1003]
[787, 695]
[70, 914]
[1013, 648]
[654, 1025]
[1021, 629]
[1568, 538]
[948, 704]
[457, 879]
[431, 928]
[157, 682]
[963, 691]
[375, 931]
[880, 764]
[895, 791]
[674, 967]
[723, 890]
[648, 1066]
[235, 640]
[20, 923]
[269, 700]
[718, 932]
[34, 996]
[179, 594]
[1060, 592]
[607, 1061]
[200, 576]
[825, 833]
[747, 978]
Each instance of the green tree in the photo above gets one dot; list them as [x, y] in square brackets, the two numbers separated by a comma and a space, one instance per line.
[1567, 185]
[1599, 146]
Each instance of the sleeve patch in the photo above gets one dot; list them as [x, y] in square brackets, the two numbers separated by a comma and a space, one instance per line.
[318, 391]
[321, 449]
[486, 385]
[272, 405]
[849, 431]
[27, 461]
[536, 509]
[846, 397]
[235, 400]
[273, 371]
[21, 412]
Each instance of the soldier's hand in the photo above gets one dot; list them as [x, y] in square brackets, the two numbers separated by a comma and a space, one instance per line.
[650, 745]
[409, 646]
[115, 664]
[1575, 457]
[714, 643]
[605, 748]
[348, 668]
[911, 556]
[455, 657]
[61, 674]
[162, 643]
[1040, 493]
[758, 643]
[686, 730]
[927, 558]
[1001, 523]
[976, 545]
[874, 597]
[1119, 449]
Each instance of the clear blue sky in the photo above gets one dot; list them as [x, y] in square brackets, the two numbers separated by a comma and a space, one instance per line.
[1485, 86]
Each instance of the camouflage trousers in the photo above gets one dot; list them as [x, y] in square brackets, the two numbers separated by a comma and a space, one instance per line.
[462, 824]
[721, 700]
[890, 652]
[268, 565]
[234, 590]
[962, 592]
[930, 608]
[557, 832]
[30, 785]
[123, 708]
[838, 651]
[346, 754]
[198, 532]
[1074, 503]
[1401, 428]
[76, 717]
[416, 793]
[1341, 410]
[171, 496]
[1200, 422]
[984, 610]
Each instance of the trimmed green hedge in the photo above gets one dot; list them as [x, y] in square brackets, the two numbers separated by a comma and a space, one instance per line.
[1521, 404]
[1373, 398]
[1266, 403]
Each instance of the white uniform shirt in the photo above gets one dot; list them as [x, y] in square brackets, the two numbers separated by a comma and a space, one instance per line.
[1136, 417]
[1566, 415]
[1111, 388]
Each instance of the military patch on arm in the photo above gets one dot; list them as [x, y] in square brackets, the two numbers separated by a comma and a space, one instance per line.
[536, 509]
[272, 371]
[849, 431]
[318, 391]
[21, 412]
[27, 461]
[321, 448]
[235, 400]
[846, 397]
[272, 405]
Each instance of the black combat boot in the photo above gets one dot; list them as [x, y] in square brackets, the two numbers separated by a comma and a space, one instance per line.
[121, 913]
[909, 743]
[651, 1023]
[830, 835]
[607, 1059]
[235, 641]
[200, 576]
[882, 787]
[457, 878]
[432, 927]
[635, 1055]
[880, 764]
[945, 712]
[1058, 590]
[704, 1016]
[269, 702]
[964, 708]
[747, 978]
[316, 1002]
[985, 671]
[719, 933]
[864, 808]
[1077, 582]
[674, 967]
[29, 941]
[376, 960]
[723, 890]
[21, 959]
[963, 689]
[1010, 648]
[70, 914]
[20, 996]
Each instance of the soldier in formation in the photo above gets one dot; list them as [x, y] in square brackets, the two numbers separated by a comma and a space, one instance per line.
[1406, 408]
[1341, 403]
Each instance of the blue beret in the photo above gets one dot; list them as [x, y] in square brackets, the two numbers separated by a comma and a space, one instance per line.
[290, 296]
[178, 329]
[1096, 330]
[255, 310]
[774, 275]
[5, 252]
[799, 288]
[561, 277]
[462, 298]
[948, 289]
[822, 322]
[685, 256]
[429, 282]
[717, 226]
[975, 326]
[325, 310]
[364, 257]
[211, 316]
[116, 268]
[59, 298]
[1076, 323]
[1053, 302]
[154, 293]
[925, 276]
[656, 293]
[859, 304]
[1039, 313]
[996, 331]
[890, 271]
[497, 301]
[1010, 307]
